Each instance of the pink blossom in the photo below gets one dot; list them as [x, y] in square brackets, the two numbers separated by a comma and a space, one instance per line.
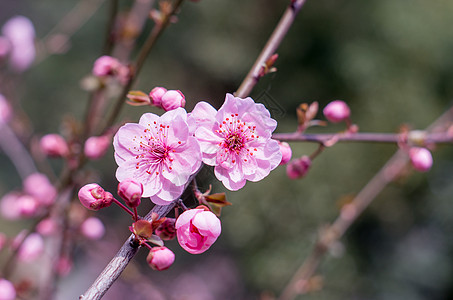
[93, 197]
[5, 110]
[172, 100]
[286, 152]
[237, 140]
[47, 227]
[28, 205]
[39, 186]
[131, 191]
[31, 248]
[158, 152]
[299, 167]
[54, 145]
[197, 230]
[92, 228]
[160, 258]
[7, 290]
[156, 96]
[21, 34]
[337, 111]
[96, 146]
[421, 159]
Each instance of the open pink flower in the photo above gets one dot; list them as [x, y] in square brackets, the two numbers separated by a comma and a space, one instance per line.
[237, 140]
[197, 230]
[158, 152]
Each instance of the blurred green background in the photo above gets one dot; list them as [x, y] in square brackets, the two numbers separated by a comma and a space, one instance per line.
[390, 60]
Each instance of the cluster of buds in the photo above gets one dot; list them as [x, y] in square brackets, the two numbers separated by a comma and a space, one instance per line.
[196, 229]
[159, 97]
[37, 194]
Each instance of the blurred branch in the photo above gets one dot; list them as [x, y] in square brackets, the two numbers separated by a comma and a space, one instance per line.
[117, 265]
[109, 39]
[155, 33]
[16, 152]
[57, 40]
[349, 213]
[425, 138]
[270, 48]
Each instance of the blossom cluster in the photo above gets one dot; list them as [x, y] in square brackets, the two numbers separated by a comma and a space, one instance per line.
[163, 152]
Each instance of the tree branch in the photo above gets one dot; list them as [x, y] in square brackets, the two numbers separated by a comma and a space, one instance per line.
[270, 48]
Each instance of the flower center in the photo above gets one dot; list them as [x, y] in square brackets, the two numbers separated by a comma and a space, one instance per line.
[237, 134]
[234, 142]
[154, 150]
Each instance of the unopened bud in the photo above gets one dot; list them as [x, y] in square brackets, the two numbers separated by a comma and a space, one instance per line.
[31, 248]
[172, 100]
[7, 290]
[156, 96]
[39, 186]
[421, 158]
[286, 152]
[299, 167]
[93, 197]
[54, 145]
[160, 258]
[337, 111]
[96, 146]
[131, 191]
[92, 228]
[105, 66]
[47, 227]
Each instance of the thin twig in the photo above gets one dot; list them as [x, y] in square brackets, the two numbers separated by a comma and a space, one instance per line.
[141, 57]
[348, 215]
[16, 152]
[270, 48]
[117, 265]
[428, 138]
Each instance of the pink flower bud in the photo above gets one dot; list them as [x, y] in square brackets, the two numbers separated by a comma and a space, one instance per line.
[96, 146]
[167, 231]
[156, 96]
[31, 248]
[421, 158]
[47, 227]
[337, 111]
[5, 110]
[172, 100]
[93, 197]
[92, 228]
[54, 145]
[286, 152]
[39, 186]
[21, 34]
[7, 290]
[28, 206]
[105, 66]
[160, 258]
[197, 230]
[131, 191]
[63, 266]
[8, 206]
[298, 168]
